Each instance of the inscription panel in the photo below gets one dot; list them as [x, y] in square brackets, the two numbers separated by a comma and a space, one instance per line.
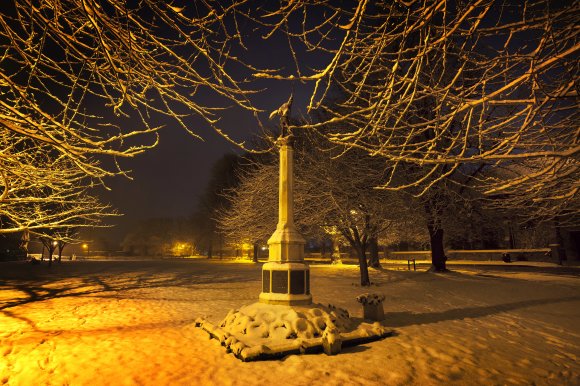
[280, 282]
[297, 282]
[265, 281]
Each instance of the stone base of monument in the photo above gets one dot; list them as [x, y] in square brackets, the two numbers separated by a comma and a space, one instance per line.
[266, 331]
[286, 284]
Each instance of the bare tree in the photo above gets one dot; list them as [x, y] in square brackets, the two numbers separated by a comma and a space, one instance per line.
[334, 194]
[499, 79]
[84, 82]
[56, 239]
[526, 198]
[250, 216]
[46, 194]
[50, 245]
[63, 56]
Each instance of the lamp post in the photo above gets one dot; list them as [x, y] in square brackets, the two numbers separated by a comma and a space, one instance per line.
[86, 249]
[285, 277]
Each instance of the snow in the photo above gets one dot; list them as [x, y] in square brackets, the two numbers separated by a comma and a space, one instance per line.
[132, 322]
[258, 321]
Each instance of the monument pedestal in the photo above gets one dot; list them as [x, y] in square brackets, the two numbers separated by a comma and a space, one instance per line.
[286, 284]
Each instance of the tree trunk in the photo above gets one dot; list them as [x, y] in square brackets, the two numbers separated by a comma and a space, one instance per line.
[374, 253]
[209, 249]
[438, 258]
[256, 251]
[50, 252]
[61, 246]
[335, 254]
[558, 248]
[24, 240]
[364, 269]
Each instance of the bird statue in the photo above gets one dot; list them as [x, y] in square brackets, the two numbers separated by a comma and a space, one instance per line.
[284, 113]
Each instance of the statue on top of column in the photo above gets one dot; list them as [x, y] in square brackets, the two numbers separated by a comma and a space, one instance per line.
[284, 113]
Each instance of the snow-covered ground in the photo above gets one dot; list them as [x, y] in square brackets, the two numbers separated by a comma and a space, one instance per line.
[131, 322]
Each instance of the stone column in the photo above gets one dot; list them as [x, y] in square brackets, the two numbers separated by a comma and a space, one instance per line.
[285, 277]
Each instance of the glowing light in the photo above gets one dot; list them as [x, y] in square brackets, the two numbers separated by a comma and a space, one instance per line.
[182, 249]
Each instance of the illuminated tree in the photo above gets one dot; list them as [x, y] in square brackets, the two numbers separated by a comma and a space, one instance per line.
[85, 83]
[62, 57]
[46, 194]
[433, 84]
[56, 239]
[340, 192]
[441, 84]
[329, 194]
[526, 198]
[251, 213]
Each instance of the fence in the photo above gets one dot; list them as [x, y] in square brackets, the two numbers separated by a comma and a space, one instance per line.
[529, 254]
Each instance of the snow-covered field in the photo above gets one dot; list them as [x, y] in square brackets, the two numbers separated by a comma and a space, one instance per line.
[131, 322]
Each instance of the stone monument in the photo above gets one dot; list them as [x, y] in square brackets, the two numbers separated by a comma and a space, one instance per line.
[284, 321]
[286, 277]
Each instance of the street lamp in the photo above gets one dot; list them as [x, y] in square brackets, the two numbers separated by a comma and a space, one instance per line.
[86, 249]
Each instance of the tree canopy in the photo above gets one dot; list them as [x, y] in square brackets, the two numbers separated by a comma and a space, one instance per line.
[435, 84]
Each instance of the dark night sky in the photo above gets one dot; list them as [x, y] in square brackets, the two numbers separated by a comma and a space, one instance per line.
[167, 180]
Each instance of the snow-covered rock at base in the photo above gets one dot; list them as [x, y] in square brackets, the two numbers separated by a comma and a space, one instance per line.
[259, 321]
[264, 331]
[331, 341]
